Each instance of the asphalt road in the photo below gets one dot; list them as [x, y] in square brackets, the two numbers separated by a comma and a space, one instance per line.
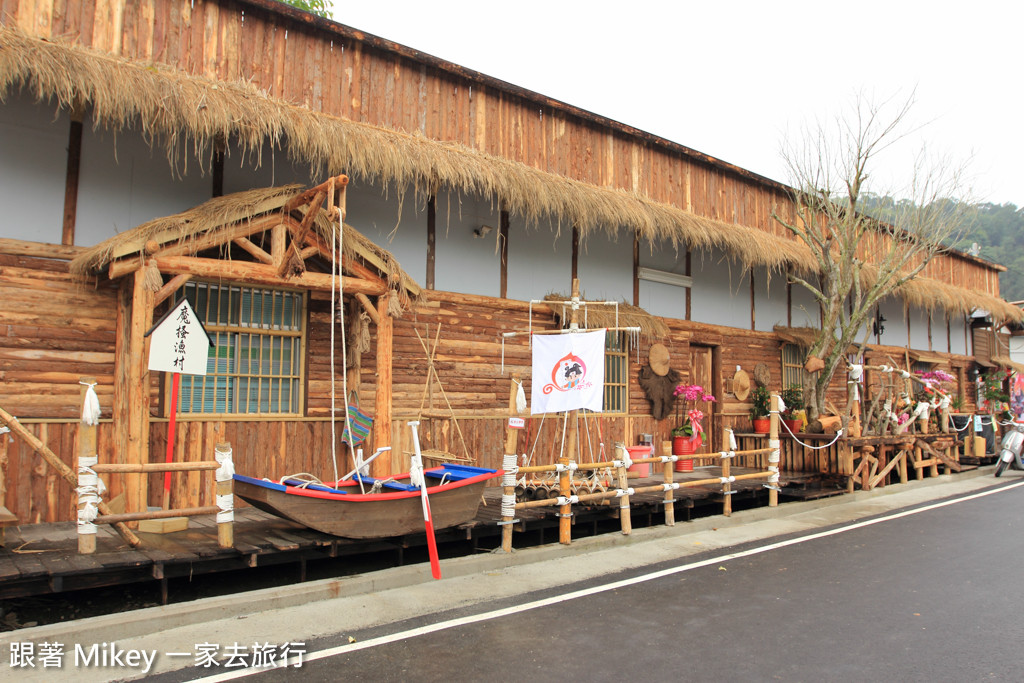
[925, 593]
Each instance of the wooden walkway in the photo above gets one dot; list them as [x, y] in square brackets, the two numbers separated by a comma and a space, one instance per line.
[42, 559]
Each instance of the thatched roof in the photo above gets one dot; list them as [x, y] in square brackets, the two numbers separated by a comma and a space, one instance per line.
[651, 327]
[224, 211]
[1005, 362]
[176, 109]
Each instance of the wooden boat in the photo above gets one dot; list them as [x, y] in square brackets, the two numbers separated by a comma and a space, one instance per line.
[342, 509]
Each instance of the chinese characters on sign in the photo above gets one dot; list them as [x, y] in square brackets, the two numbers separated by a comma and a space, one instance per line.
[179, 342]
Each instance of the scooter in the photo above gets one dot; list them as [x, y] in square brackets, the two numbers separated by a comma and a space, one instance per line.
[1011, 449]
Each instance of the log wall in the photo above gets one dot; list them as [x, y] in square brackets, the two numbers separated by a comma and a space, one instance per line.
[337, 70]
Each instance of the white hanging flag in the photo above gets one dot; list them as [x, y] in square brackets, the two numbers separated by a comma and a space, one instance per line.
[568, 372]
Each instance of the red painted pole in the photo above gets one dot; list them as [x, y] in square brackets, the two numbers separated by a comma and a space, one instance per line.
[175, 380]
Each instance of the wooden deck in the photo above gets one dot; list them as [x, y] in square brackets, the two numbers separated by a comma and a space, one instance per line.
[42, 559]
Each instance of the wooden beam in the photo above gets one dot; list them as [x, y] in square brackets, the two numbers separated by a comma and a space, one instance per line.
[262, 274]
[368, 307]
[340, 181]
[503, 262]
[299, 237]
[431, 240]
[636, 271]
[217, 172]
[172, 286]
[71, 178]
[575, 261]
[62, 252]
[382, 407]
[123, 267]
[256, 252]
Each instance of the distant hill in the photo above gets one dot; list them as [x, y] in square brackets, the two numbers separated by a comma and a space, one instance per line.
[998, 230]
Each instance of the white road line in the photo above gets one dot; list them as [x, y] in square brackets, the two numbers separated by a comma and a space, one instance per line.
[554, 600]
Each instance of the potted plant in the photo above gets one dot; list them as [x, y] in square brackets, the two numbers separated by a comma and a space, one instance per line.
[688, 434]
[793, 398]
[760, 409]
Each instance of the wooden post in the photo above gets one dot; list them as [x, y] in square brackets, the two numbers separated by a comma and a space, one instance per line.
[565, 478]
[620, 470]
[726, 473]
[509, 479]
[775, 457]
[903, 463]
[382, 405]
[670, 506]
[138, 392]
[8, 420]
[88, 495]
[225, 495]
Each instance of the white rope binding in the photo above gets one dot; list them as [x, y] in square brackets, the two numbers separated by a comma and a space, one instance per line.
[227, 466]
[226, 503]
[90, 488]
[510, 469]
[91, 405]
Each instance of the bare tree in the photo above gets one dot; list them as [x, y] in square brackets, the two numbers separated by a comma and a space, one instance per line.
[861, 260]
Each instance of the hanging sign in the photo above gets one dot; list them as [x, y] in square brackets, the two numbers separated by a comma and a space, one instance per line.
[179, 342]
[568, 372]
[516, 423]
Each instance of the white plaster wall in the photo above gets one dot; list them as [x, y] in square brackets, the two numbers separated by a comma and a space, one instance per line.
[919, 330]
[123, 183]
[270, 168]
[958, 336]
[399, 227]
[539, 260]
[805, 311]
[466, 263]
[1017, 349]
[721, 290]
[605, 267]
[33, 166]
[660, 299]
[895, 333]
[769, 299]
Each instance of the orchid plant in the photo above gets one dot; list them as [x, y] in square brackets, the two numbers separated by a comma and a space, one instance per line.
[691, 425]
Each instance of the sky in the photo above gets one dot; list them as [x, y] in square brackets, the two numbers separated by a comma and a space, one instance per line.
[733, 79]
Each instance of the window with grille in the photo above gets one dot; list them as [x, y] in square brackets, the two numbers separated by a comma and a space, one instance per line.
[255, 366]
[616, 372]
[792, 365]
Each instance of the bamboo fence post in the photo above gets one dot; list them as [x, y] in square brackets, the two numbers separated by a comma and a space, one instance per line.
[508, 480]
[564, 480]
[726, 474]
[669, 467]
[88, 480]
[918, 456]
[775, 457]
[225, 495]
[8, 420]
[620, 470]
[903, 463]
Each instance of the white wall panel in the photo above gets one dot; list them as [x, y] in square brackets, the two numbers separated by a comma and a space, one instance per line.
[721, 291]
[464, 262]
[399, 227]
[769, 299]
[605, 267]
[895, 324]
[125, 183]
[958, 334]
[806, 312]
[660, 299]
[33, 166]
[919, 330]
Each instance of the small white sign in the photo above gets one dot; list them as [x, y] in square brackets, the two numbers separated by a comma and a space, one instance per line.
[179, 342]
[516, 423]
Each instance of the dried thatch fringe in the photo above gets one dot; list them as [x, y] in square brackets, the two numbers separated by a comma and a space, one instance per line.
[178, 109]
[239, 207]
[651, 327]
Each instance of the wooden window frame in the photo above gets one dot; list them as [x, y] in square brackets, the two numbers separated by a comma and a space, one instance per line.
[289, 384]
[616, 372]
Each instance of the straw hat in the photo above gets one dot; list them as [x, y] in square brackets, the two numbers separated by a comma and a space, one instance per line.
[741, 385]
[658, 357]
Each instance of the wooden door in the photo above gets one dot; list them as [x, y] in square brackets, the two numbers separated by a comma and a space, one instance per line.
[700, 373]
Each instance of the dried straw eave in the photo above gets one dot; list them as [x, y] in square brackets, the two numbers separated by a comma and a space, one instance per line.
[224, 211]
[177, 108]
[651, 327]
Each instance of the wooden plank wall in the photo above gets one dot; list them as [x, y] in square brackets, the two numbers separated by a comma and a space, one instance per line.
[336, 73]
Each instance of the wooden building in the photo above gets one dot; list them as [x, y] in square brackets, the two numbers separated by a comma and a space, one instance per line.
[120, 119]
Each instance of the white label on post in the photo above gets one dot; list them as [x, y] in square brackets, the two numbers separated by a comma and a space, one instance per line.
[516, 423]
[179, 343]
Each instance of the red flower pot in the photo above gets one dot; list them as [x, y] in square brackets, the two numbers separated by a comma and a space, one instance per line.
[794, 425]
[685, 445]
[762, 425]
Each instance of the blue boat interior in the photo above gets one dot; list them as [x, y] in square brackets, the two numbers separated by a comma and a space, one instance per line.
[445, 474]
